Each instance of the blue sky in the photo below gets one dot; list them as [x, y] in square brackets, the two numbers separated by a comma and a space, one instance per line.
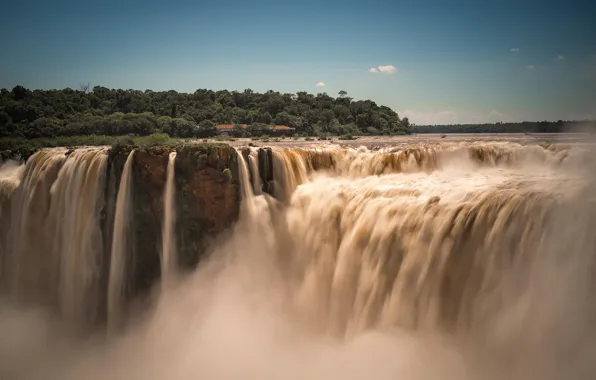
[441, 62]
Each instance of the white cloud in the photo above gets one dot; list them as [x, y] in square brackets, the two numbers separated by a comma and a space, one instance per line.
[531, 67]
[320, 84]
[388, 69]
[515, 50]
[383, 69]
[560, 57]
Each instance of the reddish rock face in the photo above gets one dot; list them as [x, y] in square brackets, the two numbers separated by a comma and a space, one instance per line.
[207, 198]
[207, 204]
[149, 177]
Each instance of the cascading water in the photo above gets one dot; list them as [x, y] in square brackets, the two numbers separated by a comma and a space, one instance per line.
[10, 174]
[253, 160]
[77, 197]
[169, 260]
[29, 272]
[289, 171]
[121, 244]
[379, 251]
[476, 258]
[54, 251]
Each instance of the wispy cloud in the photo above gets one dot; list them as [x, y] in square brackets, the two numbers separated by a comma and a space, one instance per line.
[515, 50]
[320, 84]
[560, 57]
[383, 69]
[530, 67]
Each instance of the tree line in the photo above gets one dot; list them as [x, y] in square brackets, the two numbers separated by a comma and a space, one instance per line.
[523, 127]
[99, 110]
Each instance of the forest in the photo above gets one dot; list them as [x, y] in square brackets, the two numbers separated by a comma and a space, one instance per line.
[523, 127]
[32, 114]
[100, 114]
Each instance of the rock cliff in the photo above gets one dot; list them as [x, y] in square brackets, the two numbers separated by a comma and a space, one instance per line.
[207, 203]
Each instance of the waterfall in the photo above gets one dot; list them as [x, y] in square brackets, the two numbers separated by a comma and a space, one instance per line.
[248, 203]
[121, 245]
[375, 238]
[30, 271]
[169, 260]
[363, 263]
[10, 178]
[290, 169]
[54, 248]
[253, 159]
[77, 197]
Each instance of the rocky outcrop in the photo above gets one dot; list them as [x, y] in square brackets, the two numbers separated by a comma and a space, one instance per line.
[266, 169]
[207, 203]
[207, 197]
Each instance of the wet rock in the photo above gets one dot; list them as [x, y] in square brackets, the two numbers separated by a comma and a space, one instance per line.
[266, 169]
[207, 203]
[207, 198]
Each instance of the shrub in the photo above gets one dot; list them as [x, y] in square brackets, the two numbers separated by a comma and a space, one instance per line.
[227, 174]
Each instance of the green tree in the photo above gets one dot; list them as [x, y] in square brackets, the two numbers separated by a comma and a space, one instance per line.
[4, 118]
[257, 129]
[283, 118]
[117, 111]
[207, 128]
[19, 92]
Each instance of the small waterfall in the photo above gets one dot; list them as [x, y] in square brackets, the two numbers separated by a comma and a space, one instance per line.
[168, 250]
[253, 159]
[290, 169]
[10, 177]
[120, 246]
[248, 204]
[77, 198]
[52, 242]
[28, 270]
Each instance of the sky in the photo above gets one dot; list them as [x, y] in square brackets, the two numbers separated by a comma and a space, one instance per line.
[433, 61]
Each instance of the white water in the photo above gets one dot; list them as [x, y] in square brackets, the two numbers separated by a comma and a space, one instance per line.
[29, 236]
[77, 197]
[253, 159]
[169, 259]
[120, 246]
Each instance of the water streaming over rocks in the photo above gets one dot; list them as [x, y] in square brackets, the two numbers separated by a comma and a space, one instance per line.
[169, 260]
[343, 263]
[121, 244]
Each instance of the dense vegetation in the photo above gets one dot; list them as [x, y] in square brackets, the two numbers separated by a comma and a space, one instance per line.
[102, 111]
[524, 127]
